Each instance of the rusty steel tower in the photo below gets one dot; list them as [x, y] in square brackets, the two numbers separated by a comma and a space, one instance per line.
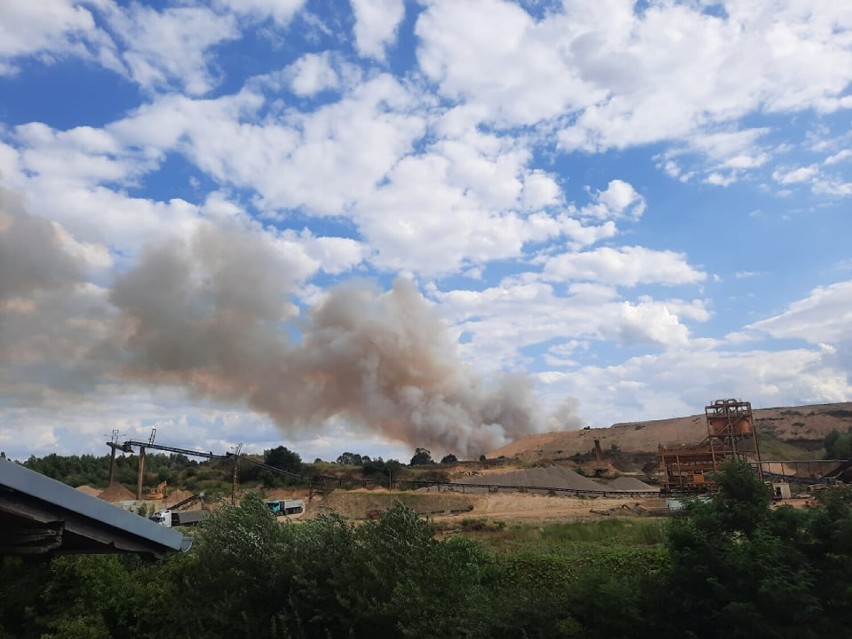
[731, 434]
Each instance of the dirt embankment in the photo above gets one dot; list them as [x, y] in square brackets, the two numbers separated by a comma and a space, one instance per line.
[803, 425]
[509, 507]
[358, 504]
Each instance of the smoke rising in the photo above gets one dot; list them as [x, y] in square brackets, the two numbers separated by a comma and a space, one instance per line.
[216, 316]
[31, 254]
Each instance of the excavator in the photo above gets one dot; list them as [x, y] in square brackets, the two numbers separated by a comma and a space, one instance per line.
[159, 492]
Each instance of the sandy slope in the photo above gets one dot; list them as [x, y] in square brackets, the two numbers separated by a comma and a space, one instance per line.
[793, 424]
[508, 507]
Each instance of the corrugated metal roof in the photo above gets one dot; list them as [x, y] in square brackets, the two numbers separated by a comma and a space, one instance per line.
[33, 497]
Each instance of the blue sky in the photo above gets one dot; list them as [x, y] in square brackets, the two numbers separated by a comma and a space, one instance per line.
[380, 224]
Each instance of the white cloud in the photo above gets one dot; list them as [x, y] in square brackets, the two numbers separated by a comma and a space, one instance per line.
[49, 29]
[540, 190]
[644, 323]
[317, 160]
[746, 161]
[720, 179]
[795, 176]
[281, 11]
[509, 64]
[313, 73]
[170, 47]
[622, 77]
[833, 187]
[619, 199]
[680, 381]
[497, 319]
[824, 316]
[627, 266]
[376, 24]
[82, 155]
[838, 157]
[333, 255]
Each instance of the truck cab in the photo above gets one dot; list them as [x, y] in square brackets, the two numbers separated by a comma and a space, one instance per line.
[162, 517]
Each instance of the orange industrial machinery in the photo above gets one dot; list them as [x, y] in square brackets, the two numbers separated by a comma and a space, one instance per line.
[730, 435]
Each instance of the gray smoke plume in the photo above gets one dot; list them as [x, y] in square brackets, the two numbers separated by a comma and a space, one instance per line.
[51, 319]
[31, 254]
[216, 316]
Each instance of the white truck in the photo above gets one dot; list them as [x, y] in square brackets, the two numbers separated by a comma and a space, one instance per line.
[170, 518]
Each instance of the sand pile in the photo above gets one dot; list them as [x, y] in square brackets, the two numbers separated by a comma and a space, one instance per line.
[116, 493]
[537, 478]
[629, 484]
[88, 490]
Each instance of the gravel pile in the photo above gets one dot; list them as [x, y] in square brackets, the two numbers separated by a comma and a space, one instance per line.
[537, 478]
[629, 484]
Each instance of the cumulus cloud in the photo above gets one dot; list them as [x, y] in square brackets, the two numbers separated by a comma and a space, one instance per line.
[795, 176]
[838, 157]
[619, 199]
[281, 11]
[622, 77]
[316, 160]
[169, 47]
[627, 266]
[376, 23]
[49, 30]
[496, 320]
[680, 381]
[822, 317]
[313, 73]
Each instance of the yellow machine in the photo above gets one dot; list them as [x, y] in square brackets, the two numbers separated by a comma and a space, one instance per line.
[159, 492]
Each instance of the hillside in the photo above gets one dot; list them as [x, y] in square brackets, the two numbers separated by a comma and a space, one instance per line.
[804, 427]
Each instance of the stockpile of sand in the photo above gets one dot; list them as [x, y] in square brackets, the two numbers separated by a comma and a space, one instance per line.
[88, 490]
[629, 484]
[557, 477]
[116, 493]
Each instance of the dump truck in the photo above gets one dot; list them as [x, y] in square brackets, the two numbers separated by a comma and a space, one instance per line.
[286, 506]
[171, 518]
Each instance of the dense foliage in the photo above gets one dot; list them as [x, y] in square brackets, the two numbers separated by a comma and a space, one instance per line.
[422, 457]
[732, 567]
[838, 445]
[77, 470]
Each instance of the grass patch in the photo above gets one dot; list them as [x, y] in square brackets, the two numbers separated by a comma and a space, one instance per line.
[773, 448]
[568, 538]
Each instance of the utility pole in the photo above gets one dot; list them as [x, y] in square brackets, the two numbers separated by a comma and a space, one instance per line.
[113, 444]
[235, 474]
[141, 469]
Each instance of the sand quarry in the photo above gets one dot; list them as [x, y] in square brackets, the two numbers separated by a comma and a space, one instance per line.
[495, 496]
[513, 496]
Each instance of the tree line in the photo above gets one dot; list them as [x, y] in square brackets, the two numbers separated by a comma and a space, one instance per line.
[179, 470]
[731, 567]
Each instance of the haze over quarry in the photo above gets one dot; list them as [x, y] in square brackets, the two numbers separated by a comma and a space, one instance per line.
[382, 224]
